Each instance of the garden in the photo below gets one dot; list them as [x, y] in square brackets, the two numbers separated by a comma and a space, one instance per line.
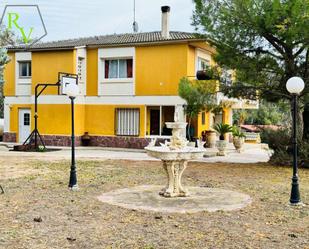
[37, 210]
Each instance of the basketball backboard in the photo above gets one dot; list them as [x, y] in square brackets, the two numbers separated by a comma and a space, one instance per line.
[66, 80]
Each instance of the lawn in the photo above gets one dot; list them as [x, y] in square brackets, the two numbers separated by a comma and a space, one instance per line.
[38, 211]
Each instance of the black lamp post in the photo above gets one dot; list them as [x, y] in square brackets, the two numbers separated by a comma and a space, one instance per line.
[72, 91]
[295, 85]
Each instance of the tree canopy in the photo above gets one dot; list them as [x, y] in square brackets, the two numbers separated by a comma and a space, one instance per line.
[264, 41]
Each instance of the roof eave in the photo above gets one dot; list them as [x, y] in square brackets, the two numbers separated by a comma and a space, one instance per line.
[108, 45]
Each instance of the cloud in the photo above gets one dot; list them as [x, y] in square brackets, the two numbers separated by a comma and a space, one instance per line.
[79, 18]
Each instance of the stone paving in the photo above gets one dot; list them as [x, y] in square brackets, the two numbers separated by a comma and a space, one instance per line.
[147, 198]
[253, 153]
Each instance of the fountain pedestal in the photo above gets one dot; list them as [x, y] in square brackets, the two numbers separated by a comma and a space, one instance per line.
[174, 170]
[175, 156]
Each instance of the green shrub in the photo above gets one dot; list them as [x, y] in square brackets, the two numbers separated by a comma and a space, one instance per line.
[280, 142]
[276, 139]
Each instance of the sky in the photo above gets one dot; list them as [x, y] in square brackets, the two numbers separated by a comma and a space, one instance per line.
[66, 19]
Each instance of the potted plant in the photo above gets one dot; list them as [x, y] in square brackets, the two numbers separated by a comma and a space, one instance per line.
[197, 98]
[238, 138]
[222, 129]
[85, 139]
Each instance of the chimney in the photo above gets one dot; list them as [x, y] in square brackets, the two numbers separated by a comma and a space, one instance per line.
[165, 22]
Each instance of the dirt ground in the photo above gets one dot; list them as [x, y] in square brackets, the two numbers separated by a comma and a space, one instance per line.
[38, 211]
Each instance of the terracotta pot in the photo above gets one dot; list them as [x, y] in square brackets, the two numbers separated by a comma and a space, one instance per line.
[85, 139]
[238, 143]
[221, 146]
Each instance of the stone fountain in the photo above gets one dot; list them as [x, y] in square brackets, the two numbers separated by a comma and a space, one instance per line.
[175, 156]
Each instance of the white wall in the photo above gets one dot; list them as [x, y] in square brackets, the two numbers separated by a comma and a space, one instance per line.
[23, 85]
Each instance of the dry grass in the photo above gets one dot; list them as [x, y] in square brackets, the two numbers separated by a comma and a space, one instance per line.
[79, 220]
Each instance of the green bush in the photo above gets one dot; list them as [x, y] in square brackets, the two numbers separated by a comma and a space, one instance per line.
[276, 139]
[280, 142]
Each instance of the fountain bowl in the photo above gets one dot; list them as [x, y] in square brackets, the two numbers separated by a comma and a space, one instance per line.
[164, 153]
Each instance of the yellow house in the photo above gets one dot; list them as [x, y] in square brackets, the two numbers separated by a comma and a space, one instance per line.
[128, 87]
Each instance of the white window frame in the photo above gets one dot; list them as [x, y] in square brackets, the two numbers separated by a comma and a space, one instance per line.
[202, 54]
[200, 61]
[117, 78]
[29, 69]
[160, 124]
[115, 86]
[131, 126]
[23, 84]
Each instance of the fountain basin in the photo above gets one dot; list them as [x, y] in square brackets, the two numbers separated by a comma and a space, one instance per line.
[176, 125]
[175, 162]
[164, 153]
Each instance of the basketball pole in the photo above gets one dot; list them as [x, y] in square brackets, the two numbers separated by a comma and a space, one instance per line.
[35, 133]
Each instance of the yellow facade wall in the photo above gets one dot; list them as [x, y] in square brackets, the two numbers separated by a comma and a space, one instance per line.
[56, 119]
[92, 72]
[14, 117]
[159, 69]
[226, 115]
[47, 64]
[191, 70]
[200, 126]
[100, 119]
[9, 77]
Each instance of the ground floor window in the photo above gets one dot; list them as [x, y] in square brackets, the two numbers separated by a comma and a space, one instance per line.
[157, 116]
[127, 121]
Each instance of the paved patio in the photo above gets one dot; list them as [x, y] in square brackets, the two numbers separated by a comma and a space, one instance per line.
[253, 153]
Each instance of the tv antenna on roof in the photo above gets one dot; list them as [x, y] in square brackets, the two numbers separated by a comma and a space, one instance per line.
[135, 24]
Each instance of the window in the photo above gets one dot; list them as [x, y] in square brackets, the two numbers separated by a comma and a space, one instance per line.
[203, 118]
[26, 119]
[81, 69]
[24, 69]
[127, 121]
[118, 69]
[203, 64]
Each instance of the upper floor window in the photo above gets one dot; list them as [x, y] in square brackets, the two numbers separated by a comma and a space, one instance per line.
[118, 68]
[24, 69]
[203, 64]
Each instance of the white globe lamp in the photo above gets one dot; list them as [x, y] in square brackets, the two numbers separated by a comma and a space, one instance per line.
[295, 85]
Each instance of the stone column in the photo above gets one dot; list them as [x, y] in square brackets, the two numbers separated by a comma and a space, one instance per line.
[174, 171]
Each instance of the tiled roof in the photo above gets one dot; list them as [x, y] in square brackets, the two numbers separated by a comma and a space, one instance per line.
[114, 40]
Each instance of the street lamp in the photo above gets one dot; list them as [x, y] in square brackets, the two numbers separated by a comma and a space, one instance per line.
[72, 91]
[295, 85]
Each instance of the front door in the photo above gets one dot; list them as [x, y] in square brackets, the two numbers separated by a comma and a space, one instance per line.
[24, 124]
[154, 122]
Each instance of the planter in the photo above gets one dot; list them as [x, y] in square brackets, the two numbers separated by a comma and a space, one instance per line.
[238, 143]
[203, 75]
[221, 146]
[85, 139]
[211, 138]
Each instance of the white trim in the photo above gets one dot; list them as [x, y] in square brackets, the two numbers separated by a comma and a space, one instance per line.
[7, 118]
[160, 121]
[157, 136]
[199, 53]
[114, 87]
[81, 52]
[22, 84]
[99, 100]
[145, 121]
